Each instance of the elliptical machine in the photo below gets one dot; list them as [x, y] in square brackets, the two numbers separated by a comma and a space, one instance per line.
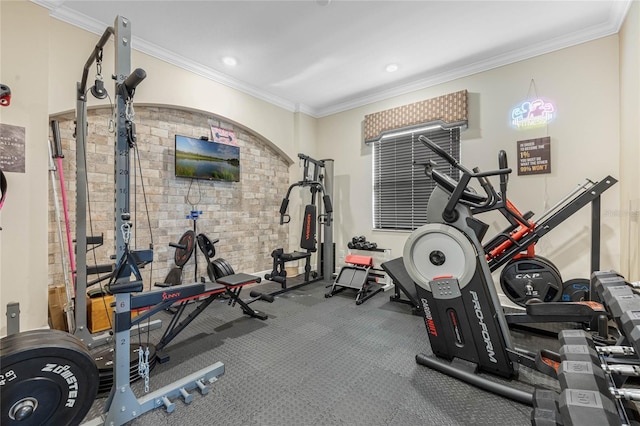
[466, 325]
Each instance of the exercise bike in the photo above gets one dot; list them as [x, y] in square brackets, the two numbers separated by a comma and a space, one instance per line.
[467, 327]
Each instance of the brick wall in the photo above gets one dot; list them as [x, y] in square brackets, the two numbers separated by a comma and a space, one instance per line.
[243, 215]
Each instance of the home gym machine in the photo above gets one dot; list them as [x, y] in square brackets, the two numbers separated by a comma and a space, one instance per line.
[525, 275]
[466, 325]
[318, 178]
[48, 376]
[125, 87]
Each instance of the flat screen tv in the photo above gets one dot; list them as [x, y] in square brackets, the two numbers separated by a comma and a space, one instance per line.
[203, 159]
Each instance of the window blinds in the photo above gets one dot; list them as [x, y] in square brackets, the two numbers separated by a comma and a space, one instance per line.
[401, 189]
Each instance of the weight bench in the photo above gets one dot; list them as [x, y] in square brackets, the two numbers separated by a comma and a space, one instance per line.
[229, 286]
[279, 273]
[356, 276]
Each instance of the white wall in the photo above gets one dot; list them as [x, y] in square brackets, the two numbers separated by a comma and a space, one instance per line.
[582, 80]
[24, 67]
[630, 143]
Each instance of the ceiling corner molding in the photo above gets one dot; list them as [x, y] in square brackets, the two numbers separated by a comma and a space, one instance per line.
[84, 22]
[76, 19]
[208, 73]
[465, 70]
[619, 12]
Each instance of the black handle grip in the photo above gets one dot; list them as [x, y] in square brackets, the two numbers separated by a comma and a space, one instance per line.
[502, 159]
[504, 179]
[261, 296]
[57, 146]
[134, 79]
[328, 207]
[438, 150]
[283, 206]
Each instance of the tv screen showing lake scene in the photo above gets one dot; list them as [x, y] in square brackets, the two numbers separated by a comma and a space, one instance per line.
[201, 159]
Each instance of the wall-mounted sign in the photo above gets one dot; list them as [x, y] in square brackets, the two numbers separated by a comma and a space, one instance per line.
[220, 135]
[533, 113]
[12, 157]
[534, 156]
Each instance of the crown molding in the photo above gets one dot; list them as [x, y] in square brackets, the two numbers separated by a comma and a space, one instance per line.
[612, 26]
[87, 23]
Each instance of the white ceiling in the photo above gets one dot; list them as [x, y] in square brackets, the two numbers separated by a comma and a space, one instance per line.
[326, 56]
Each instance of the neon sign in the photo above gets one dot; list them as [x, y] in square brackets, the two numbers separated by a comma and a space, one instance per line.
[533, 113]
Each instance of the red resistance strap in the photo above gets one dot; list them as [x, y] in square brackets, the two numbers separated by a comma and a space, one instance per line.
[359, 260]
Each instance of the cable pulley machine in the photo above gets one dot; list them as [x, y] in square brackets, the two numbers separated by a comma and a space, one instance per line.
[318, 178]
[48, 376]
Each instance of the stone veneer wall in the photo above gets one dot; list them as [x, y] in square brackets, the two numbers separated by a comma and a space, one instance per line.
[243, 215]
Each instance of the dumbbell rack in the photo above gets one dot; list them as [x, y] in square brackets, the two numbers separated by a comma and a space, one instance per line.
[593, 379]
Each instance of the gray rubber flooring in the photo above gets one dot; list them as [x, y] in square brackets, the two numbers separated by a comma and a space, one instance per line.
[319, 361]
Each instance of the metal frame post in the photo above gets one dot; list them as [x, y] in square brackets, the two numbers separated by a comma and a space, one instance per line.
[328, 267]
[121, 155]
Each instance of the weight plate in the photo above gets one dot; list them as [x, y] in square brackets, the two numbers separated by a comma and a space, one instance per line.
[230, 270]
[174, 277]
[435, 250]
[222, 268]
[104, 361]
[211, 272]
[187, 240]
[47, 377]
[206, 246]
[576, 290]
[548, 262]
[531, 278]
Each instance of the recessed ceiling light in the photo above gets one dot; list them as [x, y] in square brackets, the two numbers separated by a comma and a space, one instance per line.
[392, 68]
[230, 61]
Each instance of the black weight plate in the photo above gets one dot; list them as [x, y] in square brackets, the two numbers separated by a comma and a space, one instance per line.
[174, 277]
[206, 246]
[211, 272]
[104, 361]
[229, 267]
[536, 274]
[576, 290]
[187, 240]
[547, 262]
[48, 377]
[222, 268]
[217, 270]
